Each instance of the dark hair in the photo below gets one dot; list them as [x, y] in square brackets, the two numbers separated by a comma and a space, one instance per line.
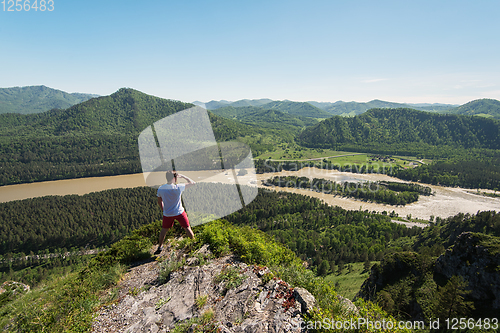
[170, 175]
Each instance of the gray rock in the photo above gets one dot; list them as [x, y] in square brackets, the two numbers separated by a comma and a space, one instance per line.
[347, 305]
[305, 298]
[249, 307]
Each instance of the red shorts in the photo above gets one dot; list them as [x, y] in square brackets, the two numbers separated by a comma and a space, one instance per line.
[168, 221]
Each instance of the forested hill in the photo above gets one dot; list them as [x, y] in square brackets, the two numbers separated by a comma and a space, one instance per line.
[303, 109]
[297, 108]
[125, 111]
[265, 118]
[405, 129]
[355, 108]
[95, 138]
[338, 108]
[35, 99]
[480, 107]
[212, 105]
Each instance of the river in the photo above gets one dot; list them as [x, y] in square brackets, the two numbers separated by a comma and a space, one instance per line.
[445, 202]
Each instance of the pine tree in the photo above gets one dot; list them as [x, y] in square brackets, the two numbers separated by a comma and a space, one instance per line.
[450, 300]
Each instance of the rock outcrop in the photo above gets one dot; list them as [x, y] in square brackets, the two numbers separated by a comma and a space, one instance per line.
[410, 282]
[14, 286]
[476, 258]
[238, 297]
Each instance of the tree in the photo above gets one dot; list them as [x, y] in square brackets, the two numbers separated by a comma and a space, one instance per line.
[324, 268]
[340, 268]
[366, 266]
[450, 300]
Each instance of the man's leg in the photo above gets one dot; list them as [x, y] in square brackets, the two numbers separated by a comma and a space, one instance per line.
[163, 232]
[184, 222]
[189, 232]
[167, 223]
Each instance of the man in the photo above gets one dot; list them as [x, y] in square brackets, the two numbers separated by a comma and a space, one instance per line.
[169, 200]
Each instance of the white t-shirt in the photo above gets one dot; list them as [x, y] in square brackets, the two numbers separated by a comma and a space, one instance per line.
[171, 196]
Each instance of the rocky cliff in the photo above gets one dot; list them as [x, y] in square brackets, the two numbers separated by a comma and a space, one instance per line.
[413, 284]
[204, 294]
[475, 257]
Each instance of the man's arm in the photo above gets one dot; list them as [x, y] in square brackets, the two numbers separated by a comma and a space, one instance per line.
[190, 182]
[160, 203]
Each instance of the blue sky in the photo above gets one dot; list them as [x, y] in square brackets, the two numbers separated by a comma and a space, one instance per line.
[400, 51]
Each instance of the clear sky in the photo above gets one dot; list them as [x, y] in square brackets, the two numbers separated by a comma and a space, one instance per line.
[401, 51]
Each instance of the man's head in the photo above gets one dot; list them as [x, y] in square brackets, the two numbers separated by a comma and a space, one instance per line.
[171, 176]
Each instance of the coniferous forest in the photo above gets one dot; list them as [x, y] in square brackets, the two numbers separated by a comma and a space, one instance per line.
[327, 235]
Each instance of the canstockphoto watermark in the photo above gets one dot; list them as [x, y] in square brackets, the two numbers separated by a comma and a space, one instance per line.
[384, 325]
[356, 324]
[185, 142]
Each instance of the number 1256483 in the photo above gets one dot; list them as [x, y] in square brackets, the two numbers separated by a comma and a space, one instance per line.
[27, 5]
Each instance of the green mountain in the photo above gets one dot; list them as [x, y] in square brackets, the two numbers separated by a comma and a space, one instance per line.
[432, 107]
[294, 108]
[36, 99]
[212, 105]
[354, 108]
[265, 118]
[465, 150]
[297, 108]
[125, 112]
[489, 108]
[97, 137]
[339, 108]
[401, 128]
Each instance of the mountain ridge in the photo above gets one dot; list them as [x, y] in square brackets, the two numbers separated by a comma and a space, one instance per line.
[36, 99]
[485, 107]
[342, 108]
[95, 138]
[267, 118]
[397, 126]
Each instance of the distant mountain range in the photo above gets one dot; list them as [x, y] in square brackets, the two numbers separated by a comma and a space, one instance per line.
[212, 105]
[264, 118]
[339, 108]
[354, 108]
[293, 108]
[99, 136]
[36, 99]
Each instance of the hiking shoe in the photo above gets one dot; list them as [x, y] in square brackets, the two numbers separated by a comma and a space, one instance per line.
[158, 250]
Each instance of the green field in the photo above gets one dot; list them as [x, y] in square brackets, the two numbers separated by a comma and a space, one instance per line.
[284, 152]
[350, 280]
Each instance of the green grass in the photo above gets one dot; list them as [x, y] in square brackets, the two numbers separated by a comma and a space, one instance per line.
[484, 115]
[348, 284]
[67, 303]
[292, 152]
[296, 153]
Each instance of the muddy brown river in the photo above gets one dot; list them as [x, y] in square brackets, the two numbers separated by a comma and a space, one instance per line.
[445, 201]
